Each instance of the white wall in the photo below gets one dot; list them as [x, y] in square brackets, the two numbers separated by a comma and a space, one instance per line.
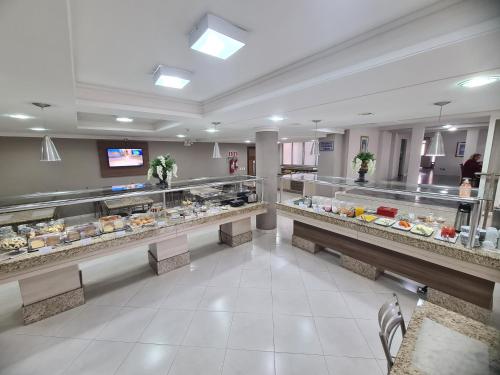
[22, 172]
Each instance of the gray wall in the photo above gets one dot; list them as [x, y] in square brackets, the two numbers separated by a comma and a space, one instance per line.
[22, 172]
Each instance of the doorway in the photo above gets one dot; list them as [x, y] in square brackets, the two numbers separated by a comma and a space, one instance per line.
[251, 160]
[402, 157]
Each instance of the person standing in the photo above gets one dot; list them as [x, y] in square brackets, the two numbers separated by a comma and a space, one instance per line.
[470, 168]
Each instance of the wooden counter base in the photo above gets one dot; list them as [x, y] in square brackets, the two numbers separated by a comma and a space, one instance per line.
[463, 286]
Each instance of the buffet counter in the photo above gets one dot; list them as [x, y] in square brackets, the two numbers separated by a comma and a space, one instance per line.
[440, 341]
[458, 278]
[44, 256]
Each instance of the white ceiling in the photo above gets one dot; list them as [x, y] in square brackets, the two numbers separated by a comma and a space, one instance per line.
[328, 60]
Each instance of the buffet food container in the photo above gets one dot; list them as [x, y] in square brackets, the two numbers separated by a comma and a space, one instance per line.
[36, 242]
[139, 220]
[111, 223]
[12, 242]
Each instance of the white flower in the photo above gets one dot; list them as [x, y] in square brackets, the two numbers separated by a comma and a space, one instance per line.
[159, 172]
[174, 170]
[356, 164]
[150, 173]
[371, 166]
[162, 160]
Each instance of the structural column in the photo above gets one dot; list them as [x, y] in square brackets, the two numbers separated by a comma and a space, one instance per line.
[417, 137]
[267, 166]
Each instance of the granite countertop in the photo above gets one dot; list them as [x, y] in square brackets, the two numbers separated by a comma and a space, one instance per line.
[466, 329]
[457, 250]
[26, 261]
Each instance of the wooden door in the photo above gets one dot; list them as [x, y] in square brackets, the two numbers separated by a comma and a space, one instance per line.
[251, 160]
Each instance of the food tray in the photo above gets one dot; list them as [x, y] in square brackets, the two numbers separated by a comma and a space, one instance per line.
[384, 221]
[363, 218]
[450, 240]
[398, 227]
[414, 231]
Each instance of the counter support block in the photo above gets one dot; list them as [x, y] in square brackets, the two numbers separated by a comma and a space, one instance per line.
[306, 245]
[267, 166]
[236, 232]
[458, 305]
[51, 293]
[359, 267]
[168, 255]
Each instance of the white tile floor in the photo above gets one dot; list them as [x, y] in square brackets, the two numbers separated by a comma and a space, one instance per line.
[261, 308]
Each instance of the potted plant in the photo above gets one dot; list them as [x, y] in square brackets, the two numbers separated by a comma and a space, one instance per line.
[363, 162]
[163, 168]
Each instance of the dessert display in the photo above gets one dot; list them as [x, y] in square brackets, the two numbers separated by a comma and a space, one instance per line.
[72, 234]
[13, 242]
[139, 220]
[54, 226]
[111, 223]
[36, 242]
[52, 239]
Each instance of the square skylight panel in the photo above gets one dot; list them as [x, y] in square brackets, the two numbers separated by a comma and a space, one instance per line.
[171, 77]
[217, 37]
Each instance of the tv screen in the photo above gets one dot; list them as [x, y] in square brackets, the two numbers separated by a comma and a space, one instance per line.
[125, 157]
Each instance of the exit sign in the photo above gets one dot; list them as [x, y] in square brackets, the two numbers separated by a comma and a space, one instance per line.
[232, 154]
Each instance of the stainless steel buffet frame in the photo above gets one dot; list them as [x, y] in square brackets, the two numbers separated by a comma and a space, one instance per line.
[439, 192]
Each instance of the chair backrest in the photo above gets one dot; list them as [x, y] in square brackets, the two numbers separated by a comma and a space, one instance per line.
[390, 319]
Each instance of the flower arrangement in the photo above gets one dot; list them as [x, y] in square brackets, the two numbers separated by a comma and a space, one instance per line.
[363, 162]
[163, 168]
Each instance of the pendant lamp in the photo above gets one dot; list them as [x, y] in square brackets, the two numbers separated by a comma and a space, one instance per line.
[436, 147]
[216, 152]
[315, 145]
[48, 149]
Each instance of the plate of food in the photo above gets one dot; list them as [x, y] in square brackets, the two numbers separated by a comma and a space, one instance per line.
[447, 234]
[422, 230]
[385, 222]
[367, 218]
[403, 225]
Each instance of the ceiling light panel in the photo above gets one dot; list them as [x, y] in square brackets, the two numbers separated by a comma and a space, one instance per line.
[124, 119]
[479, 81]
[217, 37]
[20, 116]
[171, 77]
[276, 118]
[38, 129]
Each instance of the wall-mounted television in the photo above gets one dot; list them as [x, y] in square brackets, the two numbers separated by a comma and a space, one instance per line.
[125, 157]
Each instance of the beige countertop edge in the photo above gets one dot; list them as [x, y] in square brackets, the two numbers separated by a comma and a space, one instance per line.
[28, 261]
[456, 251]
[452, 320]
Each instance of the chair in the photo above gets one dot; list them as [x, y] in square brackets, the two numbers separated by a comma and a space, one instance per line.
[390, 319]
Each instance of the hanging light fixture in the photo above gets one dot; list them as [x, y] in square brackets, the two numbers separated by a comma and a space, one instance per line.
[216, 152]
[315, 145]
[48, 149]
[436, 147]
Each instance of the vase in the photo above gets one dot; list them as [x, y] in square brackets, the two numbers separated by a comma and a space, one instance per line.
[362, 171]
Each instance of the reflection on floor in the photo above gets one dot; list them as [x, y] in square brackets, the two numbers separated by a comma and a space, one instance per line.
[261, 308]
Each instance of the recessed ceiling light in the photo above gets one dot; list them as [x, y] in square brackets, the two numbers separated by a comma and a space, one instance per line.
[20, 116]
[124, 119]
[248, 141]
[447, 126]
[366, 114]
[325, 130]
[171, 77]
[181, 136]
[452, 129]
[217, 37]
[276, 118]
[284, 139]
[479, 81]
[212, 130]
[38, 129]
